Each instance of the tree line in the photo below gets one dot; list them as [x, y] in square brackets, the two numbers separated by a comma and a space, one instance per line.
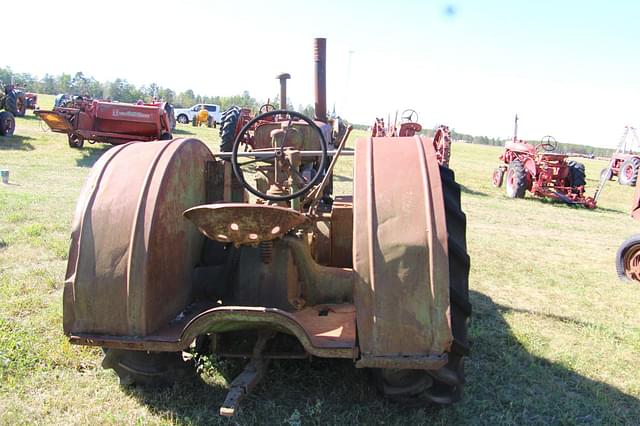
[122, 91]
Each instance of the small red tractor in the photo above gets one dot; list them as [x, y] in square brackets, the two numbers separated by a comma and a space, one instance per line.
[109, 122]
[169, 254]
[31, 100]
[624, 163]
[541, 171]
[409, 126]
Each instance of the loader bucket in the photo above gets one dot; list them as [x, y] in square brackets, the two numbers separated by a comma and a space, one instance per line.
[56, 121]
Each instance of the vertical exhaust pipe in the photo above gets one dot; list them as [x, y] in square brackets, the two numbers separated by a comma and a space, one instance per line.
[320, 59]
[283, 89]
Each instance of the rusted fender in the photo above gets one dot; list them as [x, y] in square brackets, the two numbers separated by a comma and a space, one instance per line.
[400, 254]
[132, 253]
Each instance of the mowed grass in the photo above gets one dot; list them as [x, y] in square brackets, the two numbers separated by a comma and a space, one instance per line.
[556, 336]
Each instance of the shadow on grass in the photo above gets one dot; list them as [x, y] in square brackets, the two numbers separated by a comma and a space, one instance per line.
[91, 154]
[16, 143]
[561, 204]
[505, 385]
[472, 191]
[182, 131]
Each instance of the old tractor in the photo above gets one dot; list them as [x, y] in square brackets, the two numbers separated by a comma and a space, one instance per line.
[244, 254]
[539, 170]
[409, 126]
[624, 163]
[109, 122]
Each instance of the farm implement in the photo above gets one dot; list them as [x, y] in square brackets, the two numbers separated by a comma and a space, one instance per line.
[191, 262]
[109, 122]
[409, 126]
[539, 170]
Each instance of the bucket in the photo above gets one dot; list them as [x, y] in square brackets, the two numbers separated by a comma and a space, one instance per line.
[5, 176]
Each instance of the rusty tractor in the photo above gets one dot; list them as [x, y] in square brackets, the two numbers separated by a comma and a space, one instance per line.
[245, 254]
[108, 122]
[409, 126]
[539, 170]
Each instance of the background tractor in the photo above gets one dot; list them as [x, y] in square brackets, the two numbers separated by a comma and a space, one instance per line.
[624, 163]
[13, 102]
[539, 170]
[263, 264]
[409, 126]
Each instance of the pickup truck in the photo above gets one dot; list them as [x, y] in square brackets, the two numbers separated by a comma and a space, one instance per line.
[185, 115]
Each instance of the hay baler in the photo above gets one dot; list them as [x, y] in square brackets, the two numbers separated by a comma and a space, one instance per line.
[175, 248]
[109, 122]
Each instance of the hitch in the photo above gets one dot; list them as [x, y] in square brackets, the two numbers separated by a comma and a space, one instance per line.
[249, 378]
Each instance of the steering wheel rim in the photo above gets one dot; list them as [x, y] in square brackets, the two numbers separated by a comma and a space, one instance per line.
[408, 115]
[548, 143]
[264, 108]
[263, 117]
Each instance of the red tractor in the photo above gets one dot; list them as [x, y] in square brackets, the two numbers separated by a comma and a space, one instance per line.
[108, 122]
[409, 127]
[624, 163]
[542, 172]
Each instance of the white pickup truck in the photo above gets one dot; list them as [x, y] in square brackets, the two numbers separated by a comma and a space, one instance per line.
[185, 115]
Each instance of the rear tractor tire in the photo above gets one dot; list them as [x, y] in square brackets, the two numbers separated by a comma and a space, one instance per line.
[166, 136]
[444, 386]
[147, 368]
[577, 175]
[15, 103]
[628, 260]
[228, 124]
[628, 174]
[516, 180]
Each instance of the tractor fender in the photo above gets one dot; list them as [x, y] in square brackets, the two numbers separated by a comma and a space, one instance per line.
[531, 168]
[400, 254]
[132, 253]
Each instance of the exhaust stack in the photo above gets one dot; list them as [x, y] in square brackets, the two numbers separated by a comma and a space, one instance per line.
[320, 59]
[283, 89]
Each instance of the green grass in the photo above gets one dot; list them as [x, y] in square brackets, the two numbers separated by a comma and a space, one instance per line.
[556, 337]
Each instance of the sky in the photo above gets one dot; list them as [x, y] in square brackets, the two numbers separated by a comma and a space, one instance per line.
[568, 68]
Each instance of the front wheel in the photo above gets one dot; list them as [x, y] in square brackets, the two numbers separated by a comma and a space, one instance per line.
[498, 177]
[183, 119]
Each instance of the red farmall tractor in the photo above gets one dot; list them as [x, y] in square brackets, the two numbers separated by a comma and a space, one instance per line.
[169, 255]
[108, 122]
[409, 126]
[624, 163]
[539, 170]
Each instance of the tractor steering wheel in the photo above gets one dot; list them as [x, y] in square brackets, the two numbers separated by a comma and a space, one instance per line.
[266, 108]
[409, 116]
[277, 156]
[548, 143]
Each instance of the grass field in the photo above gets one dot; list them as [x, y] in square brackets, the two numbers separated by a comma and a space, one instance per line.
[556, 337]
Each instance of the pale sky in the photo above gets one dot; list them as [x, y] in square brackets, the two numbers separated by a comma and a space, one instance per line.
[568, 68]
